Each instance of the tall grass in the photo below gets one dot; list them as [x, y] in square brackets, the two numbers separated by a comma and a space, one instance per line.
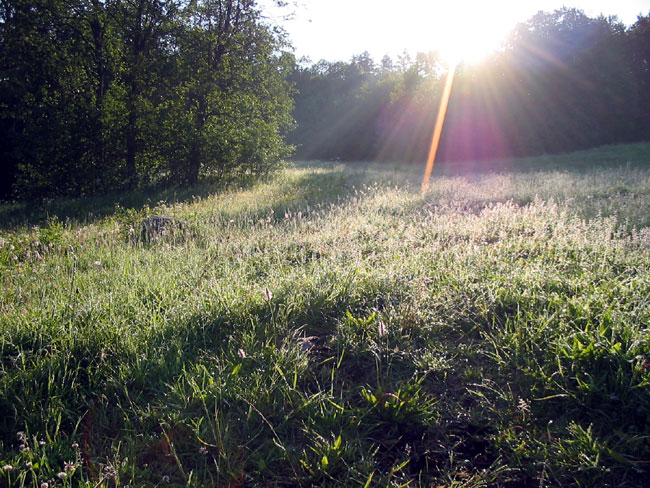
[334, 326]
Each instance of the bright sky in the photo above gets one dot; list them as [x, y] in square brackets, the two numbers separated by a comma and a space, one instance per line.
[337, 29]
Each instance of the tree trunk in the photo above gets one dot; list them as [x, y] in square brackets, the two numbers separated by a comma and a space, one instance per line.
[98, 30]
[194, 163]
[131, 143]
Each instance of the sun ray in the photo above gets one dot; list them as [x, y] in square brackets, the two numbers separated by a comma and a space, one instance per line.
[437, 131]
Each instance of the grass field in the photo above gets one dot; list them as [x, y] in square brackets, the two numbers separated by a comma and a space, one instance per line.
[334, 326]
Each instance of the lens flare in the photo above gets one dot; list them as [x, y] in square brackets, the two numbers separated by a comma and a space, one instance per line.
[437, 131]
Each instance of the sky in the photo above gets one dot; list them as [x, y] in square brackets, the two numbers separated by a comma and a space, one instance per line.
[336, 30]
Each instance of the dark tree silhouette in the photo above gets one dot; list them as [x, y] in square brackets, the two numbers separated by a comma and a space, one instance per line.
[97, 95]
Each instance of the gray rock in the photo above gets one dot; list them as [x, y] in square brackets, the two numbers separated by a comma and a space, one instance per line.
[162, 227]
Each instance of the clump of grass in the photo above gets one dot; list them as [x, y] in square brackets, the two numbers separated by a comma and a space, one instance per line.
[335, 326]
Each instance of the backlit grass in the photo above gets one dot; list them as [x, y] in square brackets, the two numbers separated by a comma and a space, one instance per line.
[334, 326]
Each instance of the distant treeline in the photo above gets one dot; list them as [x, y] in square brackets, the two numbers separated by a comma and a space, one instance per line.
[104, 94]
[111, 94]
[564, 81]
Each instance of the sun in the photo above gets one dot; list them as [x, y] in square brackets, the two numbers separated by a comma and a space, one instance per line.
[468, 45]
[461, 31]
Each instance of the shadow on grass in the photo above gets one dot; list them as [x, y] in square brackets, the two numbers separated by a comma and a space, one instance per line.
[633, 156]
[321, 182]
[93, 208]
[328, 184]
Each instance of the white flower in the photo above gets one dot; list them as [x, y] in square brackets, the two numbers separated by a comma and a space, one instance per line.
[381, 330]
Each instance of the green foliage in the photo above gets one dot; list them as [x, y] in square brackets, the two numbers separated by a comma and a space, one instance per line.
[405, 413]
[20, 247]
[53, 233]
[129, 221]
[98, 96]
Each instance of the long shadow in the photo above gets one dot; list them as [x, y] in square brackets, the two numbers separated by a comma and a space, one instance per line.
[91, 209]
[158, 362]
[336, 184]
[333, 183]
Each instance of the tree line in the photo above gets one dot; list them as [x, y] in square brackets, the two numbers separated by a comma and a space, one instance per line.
[563, 81]
[113, 94]
[98, 95]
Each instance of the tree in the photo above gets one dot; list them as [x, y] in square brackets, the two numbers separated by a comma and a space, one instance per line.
[45, 96]
[568, 83]
[103, 94]
[564, 81]
[232, 102]
[145, 25]
[639, 44]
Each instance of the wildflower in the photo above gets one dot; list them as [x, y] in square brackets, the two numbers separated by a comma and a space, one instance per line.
[267, 294]
[41, 443]
[44, 485]
[75, 446]
[203, 451]
[241, 353]
[68, 467]
[28, 464]
[381, 330]
[408, 449]
[61, 475]
[7, 467]
[165, 479]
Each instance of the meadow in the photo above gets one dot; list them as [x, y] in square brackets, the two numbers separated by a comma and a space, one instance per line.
[332, 325]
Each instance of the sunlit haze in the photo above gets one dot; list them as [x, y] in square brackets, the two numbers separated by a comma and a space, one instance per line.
[468, 30]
